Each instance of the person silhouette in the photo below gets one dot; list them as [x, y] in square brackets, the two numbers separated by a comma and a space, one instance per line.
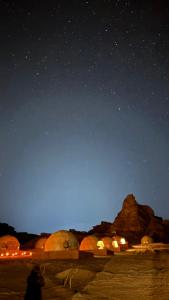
[35, 281]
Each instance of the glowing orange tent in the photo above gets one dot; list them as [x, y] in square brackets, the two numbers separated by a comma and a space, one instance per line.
[89, 243]
[61, 240]
[117, 238]
[9, 242]
[40, 244]
[107, 241]
[146, 240]
[119, 243]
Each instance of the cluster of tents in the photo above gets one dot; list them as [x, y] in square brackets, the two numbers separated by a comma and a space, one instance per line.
[66, 240]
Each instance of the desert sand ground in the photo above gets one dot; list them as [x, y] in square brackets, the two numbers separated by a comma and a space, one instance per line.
[129, 277]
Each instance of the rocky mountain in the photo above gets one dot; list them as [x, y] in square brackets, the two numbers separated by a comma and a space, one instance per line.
[101, 229]
[134, 221]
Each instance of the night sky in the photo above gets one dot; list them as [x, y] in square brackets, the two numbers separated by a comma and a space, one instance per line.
[84, 111]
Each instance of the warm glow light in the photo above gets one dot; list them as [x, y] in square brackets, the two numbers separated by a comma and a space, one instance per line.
[14, 254]
[122, 241]
[115, 244]
[100, 245]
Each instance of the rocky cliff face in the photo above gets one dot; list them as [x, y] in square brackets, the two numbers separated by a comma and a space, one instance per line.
[133, 217]
[102, 229]
[134, 221]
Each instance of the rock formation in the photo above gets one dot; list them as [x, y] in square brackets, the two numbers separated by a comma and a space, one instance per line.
[133, 222]
[101, 229]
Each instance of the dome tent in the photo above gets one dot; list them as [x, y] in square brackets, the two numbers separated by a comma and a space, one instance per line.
[146, 240]
[61, 240]
[40, 244]
[119, 243]
[107, 241]
[117, 238]
[9, 242]
[89, 243]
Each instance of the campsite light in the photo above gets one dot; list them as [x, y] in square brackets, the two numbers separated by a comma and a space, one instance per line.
[115, 244]
[100, 245]
[19, 254]
[122, 241]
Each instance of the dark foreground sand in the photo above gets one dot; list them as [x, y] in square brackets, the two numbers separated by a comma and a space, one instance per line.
[129, 277]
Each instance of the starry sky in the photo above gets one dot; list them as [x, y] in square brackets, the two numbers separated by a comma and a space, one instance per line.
[84, 111]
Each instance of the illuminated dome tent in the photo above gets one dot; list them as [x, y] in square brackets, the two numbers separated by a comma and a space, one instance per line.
[100, 245]
[119, 243]
[40, 244]
[89, 243]
[9, 242]
[107, 241]
[146, 240]
[61, 240]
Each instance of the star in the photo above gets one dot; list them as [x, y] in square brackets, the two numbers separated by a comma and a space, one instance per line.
[82, 81]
